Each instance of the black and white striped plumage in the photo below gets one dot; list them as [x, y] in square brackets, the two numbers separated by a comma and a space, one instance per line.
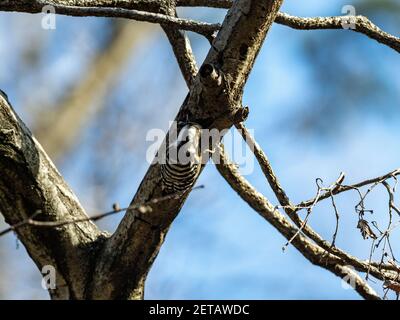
[183, 160]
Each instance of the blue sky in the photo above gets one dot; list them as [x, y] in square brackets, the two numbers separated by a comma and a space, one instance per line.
[219, 248]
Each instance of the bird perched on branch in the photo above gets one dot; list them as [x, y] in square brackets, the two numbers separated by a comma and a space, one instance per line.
[183, 160]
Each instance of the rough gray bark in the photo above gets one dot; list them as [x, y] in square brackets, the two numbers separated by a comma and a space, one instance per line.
[89, 264]
[181, 45]
[135, 244]
[31, 185]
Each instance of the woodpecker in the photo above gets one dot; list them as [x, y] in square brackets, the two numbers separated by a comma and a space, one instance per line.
[183, 160]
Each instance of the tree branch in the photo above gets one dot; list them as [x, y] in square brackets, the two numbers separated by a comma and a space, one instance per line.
[119, 267]
[182, 48]
[183, 52]
[310, 251]
[39, 189]
[129, 254]
[343, 188]
[205, 29]
[131, 10]
[362, 25]
[265, 167]
[292, 210]
[141, 208]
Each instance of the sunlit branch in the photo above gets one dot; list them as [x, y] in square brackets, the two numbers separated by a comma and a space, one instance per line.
[362, 25]
[343, 188]
[205, 29]
[309, 250]
[292, 210]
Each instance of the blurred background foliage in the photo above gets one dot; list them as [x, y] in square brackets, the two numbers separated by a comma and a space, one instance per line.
[345, 65]
[321, 102]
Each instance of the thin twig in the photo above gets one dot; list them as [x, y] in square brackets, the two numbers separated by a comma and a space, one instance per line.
[308, 249]
[391, 197]
[291, 210]
[183, 51]
[362, 24]
[337, 220]
[141, 208]
[265, 165]
[203, 28]
[344, 188]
